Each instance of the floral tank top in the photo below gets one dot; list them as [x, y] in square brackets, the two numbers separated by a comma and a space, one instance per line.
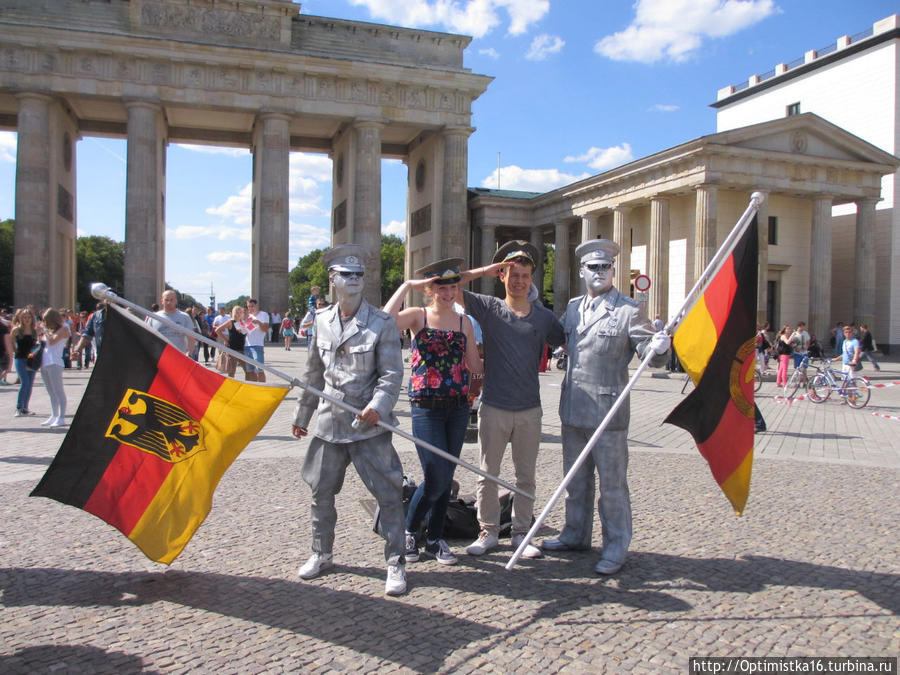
[437, 364]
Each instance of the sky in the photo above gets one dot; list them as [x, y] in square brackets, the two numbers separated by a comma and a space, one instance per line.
[581, 86]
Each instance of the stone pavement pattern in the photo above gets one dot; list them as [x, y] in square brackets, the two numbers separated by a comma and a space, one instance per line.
[811, 569]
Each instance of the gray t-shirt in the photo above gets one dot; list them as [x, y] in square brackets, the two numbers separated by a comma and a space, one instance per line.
[178, 339]
[513, 347]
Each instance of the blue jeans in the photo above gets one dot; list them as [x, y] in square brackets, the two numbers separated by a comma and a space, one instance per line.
[255, 352]
[26, 380]
[445, 429]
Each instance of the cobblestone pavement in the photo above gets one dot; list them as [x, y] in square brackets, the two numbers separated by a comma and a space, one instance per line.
[811, 568]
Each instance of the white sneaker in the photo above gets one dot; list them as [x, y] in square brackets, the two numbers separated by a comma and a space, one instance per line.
[531, 551]
[315, 565]
[19, 413]
[483, 544]
[48, 422]
[396, 580]
[58, 423]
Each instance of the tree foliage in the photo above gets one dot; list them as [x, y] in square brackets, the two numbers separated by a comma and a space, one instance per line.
[7, 239]
[100, 259]
[549, 264]
[393, 256]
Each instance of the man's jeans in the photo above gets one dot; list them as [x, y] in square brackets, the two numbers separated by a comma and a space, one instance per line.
[445, 429]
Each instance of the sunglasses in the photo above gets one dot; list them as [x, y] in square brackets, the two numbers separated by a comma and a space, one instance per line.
[347, 275]
[597, 266]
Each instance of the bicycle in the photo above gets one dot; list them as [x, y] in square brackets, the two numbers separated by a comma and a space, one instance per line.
[799, 378]
[757, 383]
[852, 389]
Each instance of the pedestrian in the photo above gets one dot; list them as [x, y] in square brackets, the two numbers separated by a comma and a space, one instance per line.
[92, 334]
[275, 323]
[850, 350]
[604, 330]
[444, 355]
[800, 338]
[257, 323]
[56, 336]
[235, 332]
[515, 330]
[6, 350]
[784, 347]
[867, 345]
[181, 341]
[23, 335]
[287, 330]
[355, 355]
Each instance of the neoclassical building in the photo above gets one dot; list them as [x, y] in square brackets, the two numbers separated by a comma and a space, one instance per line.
[243, 73]
[669, 212]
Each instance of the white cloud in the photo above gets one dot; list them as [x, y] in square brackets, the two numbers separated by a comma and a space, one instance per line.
[214, 149]
[673, 29]
[7, 146]
[490, 52]
[543, 46]
[664, 107]
[470, 17]
[530, 180]
[230, 257]
[236, 208]
[602, 159]
[215, 231]
[309, 165]
[395, 227]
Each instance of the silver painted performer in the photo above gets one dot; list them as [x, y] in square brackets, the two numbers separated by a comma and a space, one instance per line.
[603, 331]
[354, 356]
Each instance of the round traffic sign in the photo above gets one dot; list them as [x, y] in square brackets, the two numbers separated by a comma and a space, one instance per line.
[642, 282]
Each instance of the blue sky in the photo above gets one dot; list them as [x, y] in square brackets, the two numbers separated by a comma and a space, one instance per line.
[581, 86]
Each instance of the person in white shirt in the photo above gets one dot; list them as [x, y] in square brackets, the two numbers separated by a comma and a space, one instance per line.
[170, 311]
[257, 324]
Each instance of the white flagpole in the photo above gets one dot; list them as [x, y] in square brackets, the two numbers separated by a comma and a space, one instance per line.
[102, 292]
[711, 270]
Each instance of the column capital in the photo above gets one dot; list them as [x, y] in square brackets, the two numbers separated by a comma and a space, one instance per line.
[363, 123]
[150, 103]
[38, 95]
[457, 131]
[272, 115]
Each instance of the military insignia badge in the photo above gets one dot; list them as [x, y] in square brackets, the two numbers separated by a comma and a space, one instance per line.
[156, 426]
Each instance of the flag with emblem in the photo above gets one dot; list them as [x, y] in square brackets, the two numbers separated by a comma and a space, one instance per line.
[716, 344]
[152, 437]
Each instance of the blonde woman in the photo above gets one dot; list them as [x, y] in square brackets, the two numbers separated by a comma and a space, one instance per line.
[56, 337]
[23, 336]
[237, 335]
[443, 353]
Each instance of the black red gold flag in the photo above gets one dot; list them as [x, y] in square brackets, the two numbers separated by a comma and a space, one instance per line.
[154, 433]
[716, 346]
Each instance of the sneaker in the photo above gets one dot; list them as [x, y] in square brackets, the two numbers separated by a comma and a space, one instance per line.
[396, 580]
[58, 423]
[19, 413]
[441, 552]
[531, 551]
[412, 551]
[607, 566]
[48, 422]
[317, 563]
[483, 544]
[27, 412]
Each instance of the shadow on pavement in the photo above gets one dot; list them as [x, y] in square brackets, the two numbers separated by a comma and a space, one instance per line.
[70, 659]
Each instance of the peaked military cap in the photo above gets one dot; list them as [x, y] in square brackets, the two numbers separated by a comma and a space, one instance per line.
[345, 258]
[517, 249]
[444, 271]
[597, 249]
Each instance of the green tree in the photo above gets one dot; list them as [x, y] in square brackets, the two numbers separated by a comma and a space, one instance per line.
[308, 272]
[7, 239]
[393, 257]
[100, 259]
[547, 290]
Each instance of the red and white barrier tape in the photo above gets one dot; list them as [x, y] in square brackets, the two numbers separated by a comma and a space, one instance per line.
[887, 417]
[886, 384]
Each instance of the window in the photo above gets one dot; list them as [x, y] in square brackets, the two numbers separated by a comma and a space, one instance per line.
[792, 109]
[773, 230]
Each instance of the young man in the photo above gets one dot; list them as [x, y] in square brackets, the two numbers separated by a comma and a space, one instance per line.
[604, 329]
[354, 356]
[257, 323]
[170, 311]
[515, 331]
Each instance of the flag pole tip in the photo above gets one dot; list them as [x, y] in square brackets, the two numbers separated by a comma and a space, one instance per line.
[758, 197]
[99, 290]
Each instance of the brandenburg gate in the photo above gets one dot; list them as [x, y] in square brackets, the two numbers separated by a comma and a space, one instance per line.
[249, 73]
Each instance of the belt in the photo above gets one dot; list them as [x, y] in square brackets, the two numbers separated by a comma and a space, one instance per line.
[440, 403]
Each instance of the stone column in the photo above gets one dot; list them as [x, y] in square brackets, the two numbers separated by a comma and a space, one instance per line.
[820, 269]
[705, 219]
[270, 231]
[145, 194]
[488, 248]
[33, 202]
[561, 268]
[762, 284]
[622, 279]
[659, 259]
[864, 287]
[589, 225]
[367, 202]
[537, 240]
[454, 228]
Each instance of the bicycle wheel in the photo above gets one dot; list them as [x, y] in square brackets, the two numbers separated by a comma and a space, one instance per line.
[793, 384]
[819, 389]
[858, 393]
[757, 380]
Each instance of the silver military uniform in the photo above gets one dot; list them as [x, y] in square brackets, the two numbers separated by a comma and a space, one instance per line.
[602, 335]
[360, 363]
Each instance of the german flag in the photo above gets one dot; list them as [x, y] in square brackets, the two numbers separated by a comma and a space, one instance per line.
[716, 346]
[152, 437]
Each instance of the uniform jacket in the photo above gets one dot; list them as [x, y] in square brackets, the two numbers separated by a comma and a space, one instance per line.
[600, 348]
[361, 365]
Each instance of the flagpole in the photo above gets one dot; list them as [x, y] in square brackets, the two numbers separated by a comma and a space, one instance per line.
[102, 292]
[711, 270]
